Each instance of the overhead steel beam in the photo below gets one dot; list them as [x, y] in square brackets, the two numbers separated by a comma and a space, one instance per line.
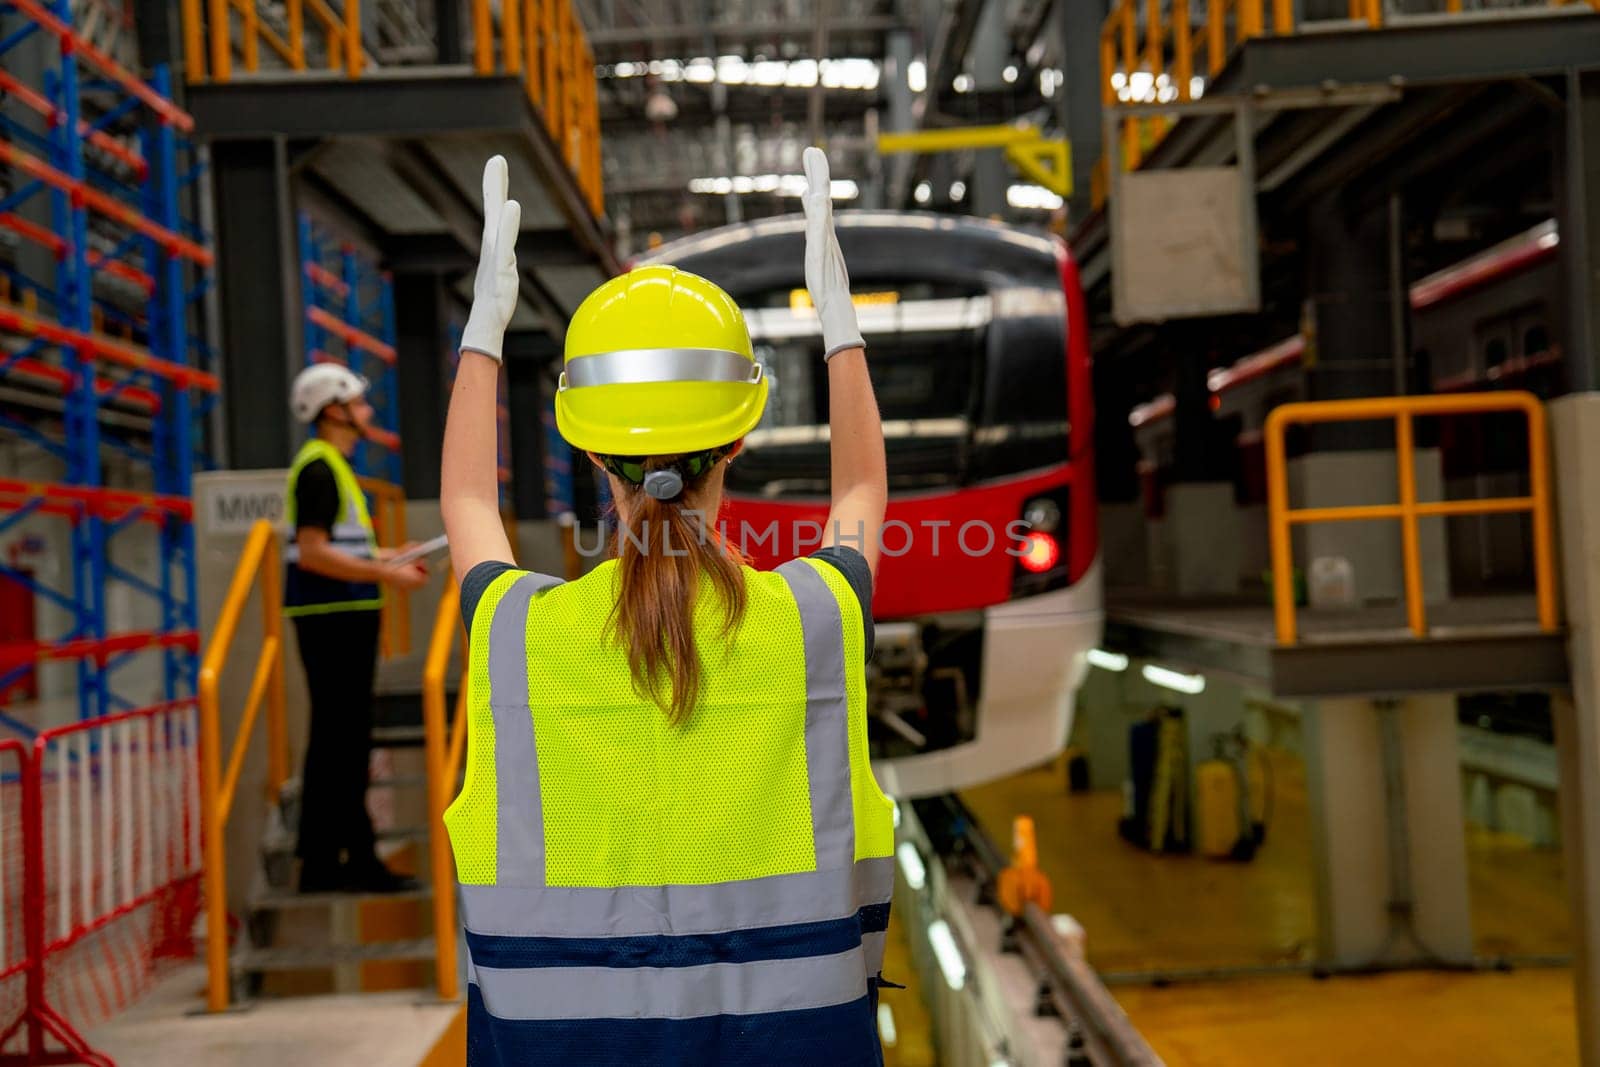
[958, 24]
[463, 221]
[1464, 50]
[694, 33]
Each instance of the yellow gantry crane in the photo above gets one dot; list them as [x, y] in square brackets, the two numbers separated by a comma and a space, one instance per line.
[1045, 160]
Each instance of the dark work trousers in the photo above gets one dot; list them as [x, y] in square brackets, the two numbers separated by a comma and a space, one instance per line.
[340, 653]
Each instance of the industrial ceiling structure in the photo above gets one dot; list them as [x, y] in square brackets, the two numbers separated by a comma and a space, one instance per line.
[706, 105]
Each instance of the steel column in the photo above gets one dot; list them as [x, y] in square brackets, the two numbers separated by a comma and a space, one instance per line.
[260, 297]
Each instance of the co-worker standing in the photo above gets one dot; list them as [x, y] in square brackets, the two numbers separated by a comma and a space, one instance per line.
[669, 843]
[332, 592]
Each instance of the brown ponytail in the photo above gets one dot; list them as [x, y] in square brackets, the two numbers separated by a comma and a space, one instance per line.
[662, 551]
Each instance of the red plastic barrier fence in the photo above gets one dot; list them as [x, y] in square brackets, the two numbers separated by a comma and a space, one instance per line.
[109, 872]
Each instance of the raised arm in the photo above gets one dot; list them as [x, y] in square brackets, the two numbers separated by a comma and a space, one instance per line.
[469, 484]
[859, 473]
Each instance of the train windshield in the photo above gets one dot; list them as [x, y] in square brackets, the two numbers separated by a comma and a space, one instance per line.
[971, 386]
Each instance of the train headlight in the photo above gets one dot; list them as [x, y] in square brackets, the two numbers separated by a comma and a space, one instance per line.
[1040, 552]
[1039, 543]
[1042, 514]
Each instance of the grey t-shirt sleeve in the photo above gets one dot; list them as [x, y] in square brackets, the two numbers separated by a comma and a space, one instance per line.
[476, 583]
[853, 565]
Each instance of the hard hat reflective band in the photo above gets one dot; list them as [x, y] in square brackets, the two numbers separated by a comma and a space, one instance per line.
[632, 366]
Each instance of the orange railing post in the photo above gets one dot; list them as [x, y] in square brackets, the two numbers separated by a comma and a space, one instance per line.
[1216, 36]
[355, 55]
[194, 49]
[257, 570]
[389, 523]
[482, 38]
[1404, 410]
[1182, 48]
[221, 39]
[534, 66]
[297, 33]
[251, 31]
[1250, 18]
[446, 622]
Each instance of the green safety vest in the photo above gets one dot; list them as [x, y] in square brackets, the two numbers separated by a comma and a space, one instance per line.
[636, 892]
[308, 594]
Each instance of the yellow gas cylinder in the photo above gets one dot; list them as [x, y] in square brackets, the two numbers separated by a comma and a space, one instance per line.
[1023, 882]
[1216, 808]
[1256, 780]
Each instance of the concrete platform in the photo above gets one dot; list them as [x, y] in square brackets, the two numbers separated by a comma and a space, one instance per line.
[1156, 923]
[396, 1029]
[1474, 644]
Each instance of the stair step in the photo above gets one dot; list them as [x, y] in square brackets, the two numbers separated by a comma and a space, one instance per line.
[403, 833]
[398, 736]
[311, 957]
[283, 901]
[399, 781]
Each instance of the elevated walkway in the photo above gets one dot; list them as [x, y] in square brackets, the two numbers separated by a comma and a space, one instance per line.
[1395, 94]
[339, 117]
[375, 1030]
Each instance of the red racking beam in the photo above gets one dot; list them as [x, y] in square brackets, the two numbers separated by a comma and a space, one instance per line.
[47, 239]
[61, 377]
[327, 279]
[75, 500]
[16, 653]
[103, 347]
[109, 206]
[99, 138]
[350, 335]
[125, 271]
[72, 42]
[57, 247]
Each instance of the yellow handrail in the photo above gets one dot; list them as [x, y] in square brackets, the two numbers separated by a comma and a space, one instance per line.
[1166, 40]
[444, 770]
[389, 523]
[540, 41]
[1404, 409]
[258, 568]
[341, 31]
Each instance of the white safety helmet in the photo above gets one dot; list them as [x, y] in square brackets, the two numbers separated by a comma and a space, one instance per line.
[322, 384]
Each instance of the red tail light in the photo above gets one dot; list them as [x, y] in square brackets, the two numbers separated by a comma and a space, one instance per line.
[1040, 553]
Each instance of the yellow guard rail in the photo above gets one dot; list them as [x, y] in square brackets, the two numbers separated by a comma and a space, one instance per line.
[444, 770]
[389, 523]
[540, 41]
[1153, 59]
[1403, 410]
[258, 569]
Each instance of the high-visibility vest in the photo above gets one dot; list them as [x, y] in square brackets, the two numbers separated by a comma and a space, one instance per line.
[640, 893]
[352, 532]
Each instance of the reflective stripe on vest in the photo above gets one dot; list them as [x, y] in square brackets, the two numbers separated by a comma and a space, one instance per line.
[651, 967]
[352, 532]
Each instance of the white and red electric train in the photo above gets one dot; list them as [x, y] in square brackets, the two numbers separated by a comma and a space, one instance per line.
[979, 354]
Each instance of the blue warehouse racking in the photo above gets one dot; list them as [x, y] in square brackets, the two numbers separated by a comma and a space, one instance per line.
[108, 339]
[349, 319]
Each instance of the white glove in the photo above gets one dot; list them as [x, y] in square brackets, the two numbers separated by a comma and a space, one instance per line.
[494, 291]
[826, 278]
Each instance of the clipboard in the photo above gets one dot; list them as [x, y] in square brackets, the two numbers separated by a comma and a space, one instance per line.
[422, 551]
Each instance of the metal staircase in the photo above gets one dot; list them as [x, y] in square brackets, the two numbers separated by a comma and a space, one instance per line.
[288, 936]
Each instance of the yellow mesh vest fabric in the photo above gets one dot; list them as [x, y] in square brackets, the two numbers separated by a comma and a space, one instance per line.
[874, 812]
[630, 798]
[344, 477]
[472, 817]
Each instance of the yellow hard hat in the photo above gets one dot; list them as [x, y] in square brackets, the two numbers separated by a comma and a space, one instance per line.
[658, 362]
